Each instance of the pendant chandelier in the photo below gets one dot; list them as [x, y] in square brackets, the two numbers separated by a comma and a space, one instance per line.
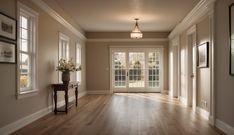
[136, 33]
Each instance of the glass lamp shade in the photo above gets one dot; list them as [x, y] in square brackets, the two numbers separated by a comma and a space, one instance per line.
[136, 33]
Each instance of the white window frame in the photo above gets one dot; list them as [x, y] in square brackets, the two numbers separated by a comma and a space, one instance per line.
[79, 62]
[145, 48]
[63, 37]
[33, 89]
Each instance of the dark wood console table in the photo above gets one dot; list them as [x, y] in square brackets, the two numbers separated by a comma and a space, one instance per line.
[64, 87]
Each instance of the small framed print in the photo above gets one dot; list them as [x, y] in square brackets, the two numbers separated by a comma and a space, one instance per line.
[7, 27]
[7, 52]
[203, 55]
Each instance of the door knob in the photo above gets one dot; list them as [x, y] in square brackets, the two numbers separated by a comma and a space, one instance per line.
[192, 76]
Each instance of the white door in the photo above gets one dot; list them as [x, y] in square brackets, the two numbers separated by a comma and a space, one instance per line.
[192, 70]
[136, 70]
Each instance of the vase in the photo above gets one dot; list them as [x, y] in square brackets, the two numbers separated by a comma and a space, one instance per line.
[66, 77]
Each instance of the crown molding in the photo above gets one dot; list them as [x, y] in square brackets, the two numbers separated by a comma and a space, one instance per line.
[127, 40]
[203, 8]
[59, 18]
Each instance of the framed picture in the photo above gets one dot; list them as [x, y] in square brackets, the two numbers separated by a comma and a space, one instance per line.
[7, 52]
[231, 30]
[203, 55]
[7, 27]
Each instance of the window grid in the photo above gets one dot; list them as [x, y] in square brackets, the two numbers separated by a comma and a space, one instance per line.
[136, 69]
[25, 60]
[78, 62]
[63, 50]
[119, 69]
[153, 69]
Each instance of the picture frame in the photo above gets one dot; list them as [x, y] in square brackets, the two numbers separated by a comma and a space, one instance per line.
[231, 39]
[7, 27]
[7, 52]
[203, 55]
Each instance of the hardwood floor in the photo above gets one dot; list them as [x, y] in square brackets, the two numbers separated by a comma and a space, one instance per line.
[123, 114]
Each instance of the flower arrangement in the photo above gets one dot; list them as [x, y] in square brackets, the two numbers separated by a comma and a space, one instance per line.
[67, 66]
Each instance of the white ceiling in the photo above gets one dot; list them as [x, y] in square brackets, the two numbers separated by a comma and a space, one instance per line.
[118, 15]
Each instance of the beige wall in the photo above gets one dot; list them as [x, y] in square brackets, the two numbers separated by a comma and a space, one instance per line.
[13, 109]
[224, 83]
[203, 74]
[97, 54]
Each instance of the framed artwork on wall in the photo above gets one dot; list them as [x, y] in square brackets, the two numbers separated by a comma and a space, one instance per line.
[203, 55]
[231, 30]
[7, 27]
[7, 52]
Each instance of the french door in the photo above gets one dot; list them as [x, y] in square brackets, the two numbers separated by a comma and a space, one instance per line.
[136, 70]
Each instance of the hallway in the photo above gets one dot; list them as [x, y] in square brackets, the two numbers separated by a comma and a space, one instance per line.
[123, 114]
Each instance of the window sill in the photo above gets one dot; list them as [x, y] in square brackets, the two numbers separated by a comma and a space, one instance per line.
[26, 94]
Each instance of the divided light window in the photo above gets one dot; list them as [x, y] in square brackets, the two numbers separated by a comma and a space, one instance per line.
[27, 53]
[78, 62]
[63, 46]
[63, 50]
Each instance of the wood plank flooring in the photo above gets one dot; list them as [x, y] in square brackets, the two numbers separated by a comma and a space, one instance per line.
[123, 114]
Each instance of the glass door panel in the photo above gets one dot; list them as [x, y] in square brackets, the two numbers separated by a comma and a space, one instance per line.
[119, 69]
[153, 69]
[136, 70]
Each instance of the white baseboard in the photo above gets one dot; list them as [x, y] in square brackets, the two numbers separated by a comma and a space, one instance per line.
[99, 92]
[227, 129]
[205, 114]
[170, 93]
[183, 101]
[12, 127]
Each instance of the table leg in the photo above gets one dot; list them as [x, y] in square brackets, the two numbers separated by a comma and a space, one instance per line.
[55, 102]
[76, 93]
[66, 100]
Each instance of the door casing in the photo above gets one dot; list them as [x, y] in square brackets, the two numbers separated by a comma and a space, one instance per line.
[136, 49]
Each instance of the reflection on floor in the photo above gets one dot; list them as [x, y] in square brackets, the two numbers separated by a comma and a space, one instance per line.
[123, 114]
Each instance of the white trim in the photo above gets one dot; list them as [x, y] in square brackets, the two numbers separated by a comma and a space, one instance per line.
[59, 18]
[127, 40]
[27, 94]
[136, 46]
[32, 91]
[205, 114]
[191, 91]
[173, 75]
[183, 101]
[146, 50]
[12, 127]
[229, 130]
[212, 68]
[79, 46]
[101, 92]
[200, 10]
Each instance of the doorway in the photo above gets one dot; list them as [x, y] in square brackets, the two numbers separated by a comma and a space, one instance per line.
[192, 68]
[136, 69]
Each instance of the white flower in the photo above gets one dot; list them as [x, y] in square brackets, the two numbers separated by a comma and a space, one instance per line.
[67, 66]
